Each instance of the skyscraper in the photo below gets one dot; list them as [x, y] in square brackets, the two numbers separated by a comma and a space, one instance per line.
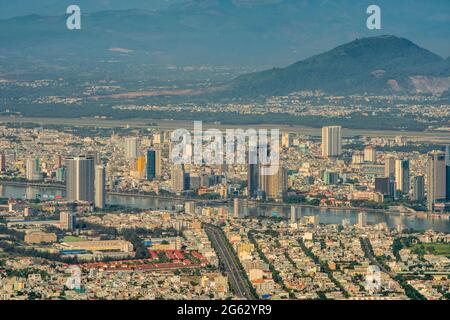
[389, 168]
[237, 208]
[58, 161]
[358, 157]
[402, 175]
[370, 154]
[100, 187]
[447, 169]
[33, 170]
[131, 147]
[362, 219]
[447, 155]
[96, 156]
[158, 163]
[293, 217]
[383, 186]
[151, 164]
[331, 141]
[330, 177]
[80, 179]
[286, 139]
[67, 221]
[436, 174]
[447, 182]
[252, 180]
[2, 162]
[272, 186]
[141, 166]
[418, 188]
[177, 178]
[61, 174]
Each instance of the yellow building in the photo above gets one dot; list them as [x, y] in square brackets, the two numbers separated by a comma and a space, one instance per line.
[141, 165]
[101, 245]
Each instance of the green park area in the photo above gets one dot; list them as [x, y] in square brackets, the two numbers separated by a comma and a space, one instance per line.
[439, 249]
[72, 239]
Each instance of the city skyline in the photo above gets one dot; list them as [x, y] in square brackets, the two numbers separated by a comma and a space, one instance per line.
[225, 154]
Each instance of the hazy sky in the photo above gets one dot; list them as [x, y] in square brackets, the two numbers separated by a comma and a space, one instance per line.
[313, 25]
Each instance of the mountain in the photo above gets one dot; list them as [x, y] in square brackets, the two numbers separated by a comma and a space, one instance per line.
[377, 65]
[259, 33]
[12, 9]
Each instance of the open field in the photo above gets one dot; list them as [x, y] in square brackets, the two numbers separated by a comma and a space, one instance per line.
[439, 249]
[72, 239]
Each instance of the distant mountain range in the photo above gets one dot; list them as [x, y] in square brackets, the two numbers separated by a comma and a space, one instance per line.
[375, 65]
[221, 32]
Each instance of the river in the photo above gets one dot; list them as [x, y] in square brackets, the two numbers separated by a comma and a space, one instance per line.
[326, 216]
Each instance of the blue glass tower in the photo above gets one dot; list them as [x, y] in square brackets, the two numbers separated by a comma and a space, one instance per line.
[151, 164]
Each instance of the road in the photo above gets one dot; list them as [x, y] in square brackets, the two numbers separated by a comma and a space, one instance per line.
[373, 259]
[228, 257]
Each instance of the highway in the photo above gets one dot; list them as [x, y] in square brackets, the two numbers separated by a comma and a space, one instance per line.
[373, 259]
[228, 257]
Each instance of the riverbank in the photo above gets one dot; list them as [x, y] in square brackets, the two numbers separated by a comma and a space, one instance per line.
[179, 198]
[20, 190]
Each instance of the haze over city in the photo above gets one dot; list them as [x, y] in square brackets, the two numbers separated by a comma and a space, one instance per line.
[235, 150]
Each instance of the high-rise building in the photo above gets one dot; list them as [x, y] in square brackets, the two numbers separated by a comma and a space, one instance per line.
[96, 156]
[58, 161]
[272, 186]
[178, 178]
[141, 166]
[293, 217]
[370, 154]
[158, 138]
[447, 182]
[61, 174]
[402, 175]
[418, 188]
[2, 162]
[389, 168]
[151, 164]
[67, 220]
[100, 187]
[447, 163]
[131, 147]
[33, 169]
[187, 181]
[252, 179]
[80, 179]
[331, 141]
[447, 155]
[158, 163]
[362, 219]
[436, 175]
[237, 207]
[330, 177]
[383, 186]
[358, 157]
[189, 207]
[286, 140]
